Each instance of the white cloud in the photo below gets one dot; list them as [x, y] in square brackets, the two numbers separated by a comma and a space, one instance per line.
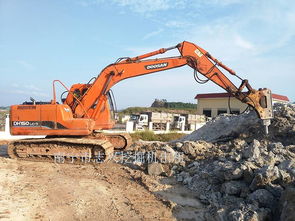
[31, 93]
[32, 87]
[246, 36]
[257, 30]
[15, 85]
[26, 65]
[178, 24]
[87, 3]
[239, 41]
[136, 51]
[152, 34]
[144, 7]
[29, 90]
[223, 2]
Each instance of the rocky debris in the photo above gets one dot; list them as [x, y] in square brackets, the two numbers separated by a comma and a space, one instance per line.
[252, 151]
[248, 127]
[287, 204]
[235, 170]
[263, 197]
[264, 176]
[155, 169]
[241, 176]
[237, 180]
[233, 187]
[224, 126]
[153, 151]
[245, 189]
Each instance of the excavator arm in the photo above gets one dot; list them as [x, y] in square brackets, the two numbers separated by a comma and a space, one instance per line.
[93, 99]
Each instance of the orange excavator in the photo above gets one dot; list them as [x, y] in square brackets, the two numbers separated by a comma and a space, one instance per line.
[73, 128]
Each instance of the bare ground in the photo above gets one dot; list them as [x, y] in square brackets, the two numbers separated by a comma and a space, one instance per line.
[108, 191]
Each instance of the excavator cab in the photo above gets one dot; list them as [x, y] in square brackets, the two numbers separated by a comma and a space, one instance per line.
[107, 109]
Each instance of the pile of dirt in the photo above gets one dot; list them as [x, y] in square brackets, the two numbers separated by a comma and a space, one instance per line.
[234, 169]
[223, 127]
[245, 176]
[50, 191]
[241, 181]
[247, 126]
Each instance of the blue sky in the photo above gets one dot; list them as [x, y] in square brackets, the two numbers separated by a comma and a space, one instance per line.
[73, 40]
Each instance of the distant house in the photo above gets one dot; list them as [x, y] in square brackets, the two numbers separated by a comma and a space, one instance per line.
[213, 104]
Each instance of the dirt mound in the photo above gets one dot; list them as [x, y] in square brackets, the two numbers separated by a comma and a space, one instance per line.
[224, 126]
[248, 126]
[49, 191]
[237, 171]
[239, 180]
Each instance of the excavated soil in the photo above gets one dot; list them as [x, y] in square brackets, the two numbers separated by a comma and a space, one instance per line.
[233, 168]
[108, 191]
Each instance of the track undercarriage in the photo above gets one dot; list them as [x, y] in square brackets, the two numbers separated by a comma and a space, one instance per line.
[95, 148]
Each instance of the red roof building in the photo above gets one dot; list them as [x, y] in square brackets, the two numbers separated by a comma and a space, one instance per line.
[213, 104]
[222, 95]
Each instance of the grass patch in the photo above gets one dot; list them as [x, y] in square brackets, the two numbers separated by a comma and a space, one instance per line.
[151, 136]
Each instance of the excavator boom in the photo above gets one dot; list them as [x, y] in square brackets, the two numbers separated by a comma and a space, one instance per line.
[198, 59]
